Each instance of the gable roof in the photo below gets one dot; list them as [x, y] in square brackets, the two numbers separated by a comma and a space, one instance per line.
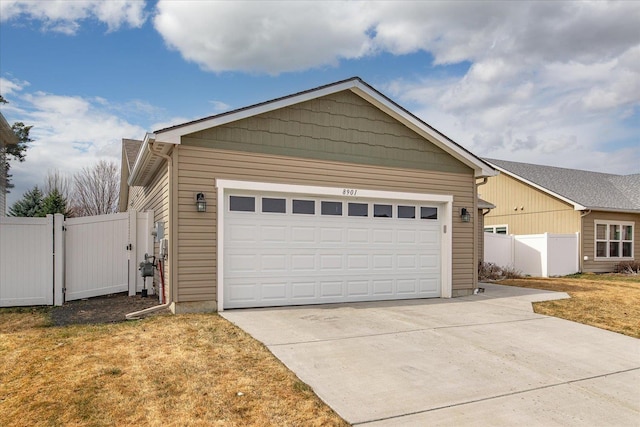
[583, 189]
[170, 136]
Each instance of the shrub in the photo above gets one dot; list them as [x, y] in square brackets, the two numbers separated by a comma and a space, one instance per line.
[491, 271]
[628, 267]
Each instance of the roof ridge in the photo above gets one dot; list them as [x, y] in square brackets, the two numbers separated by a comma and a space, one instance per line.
[248, 107]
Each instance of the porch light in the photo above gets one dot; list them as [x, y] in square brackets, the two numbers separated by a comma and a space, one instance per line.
[201, 202]
[465, 215]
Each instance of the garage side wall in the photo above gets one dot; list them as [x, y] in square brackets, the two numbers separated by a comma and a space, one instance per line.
[155, 196]
[200, 167]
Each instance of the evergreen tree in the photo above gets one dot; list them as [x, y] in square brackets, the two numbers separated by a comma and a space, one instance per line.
[53, 203]
[13, 151]
[30, 205]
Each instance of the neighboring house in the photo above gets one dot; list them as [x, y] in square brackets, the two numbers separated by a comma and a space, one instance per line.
[603, 208]
[335, 194]
[484, 208]
[7, 136]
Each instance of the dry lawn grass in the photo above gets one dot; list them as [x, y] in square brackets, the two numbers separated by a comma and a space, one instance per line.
[186, 370]
[609, 302]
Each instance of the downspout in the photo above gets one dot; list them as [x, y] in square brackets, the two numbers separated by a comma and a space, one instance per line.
[138, 314]
[580, 239]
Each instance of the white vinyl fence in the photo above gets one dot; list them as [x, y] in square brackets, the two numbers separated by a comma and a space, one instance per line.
[540, 255]
[26, 270]
[45, 261]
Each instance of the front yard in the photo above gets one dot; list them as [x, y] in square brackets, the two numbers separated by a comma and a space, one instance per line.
[186, 370]
[609, 302]
[192, 370]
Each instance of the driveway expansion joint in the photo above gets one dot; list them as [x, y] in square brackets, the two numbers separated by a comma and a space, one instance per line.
[498, 396]
[408, 331]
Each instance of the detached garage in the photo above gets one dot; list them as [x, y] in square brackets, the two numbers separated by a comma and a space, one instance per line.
[335, 194]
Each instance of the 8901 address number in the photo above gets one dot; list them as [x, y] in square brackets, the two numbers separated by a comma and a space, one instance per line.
[349, 192]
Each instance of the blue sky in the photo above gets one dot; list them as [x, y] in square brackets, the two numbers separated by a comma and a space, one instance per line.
[555, 83]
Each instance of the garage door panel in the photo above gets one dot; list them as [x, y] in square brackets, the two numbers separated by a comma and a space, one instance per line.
[331, 289]
[274, 263]
[358, 236]
[406, 261]
[274, 291]
[358, 262]
[358, 288]
[382, 236]
[241, 263]
[274, 234]
[331, 235]
[303, 234]
[276, 259]
[303, 290]
[407, 286]
[303, 263]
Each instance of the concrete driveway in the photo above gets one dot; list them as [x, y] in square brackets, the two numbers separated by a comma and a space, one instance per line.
[486, 359]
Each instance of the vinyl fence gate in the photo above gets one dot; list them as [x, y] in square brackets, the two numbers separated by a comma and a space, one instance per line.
[46, 261]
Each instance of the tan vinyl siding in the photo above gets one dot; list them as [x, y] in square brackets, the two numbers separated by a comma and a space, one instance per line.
[588, 232]
[200, 167]
[320, 129]
[527, 210]
[155, 197]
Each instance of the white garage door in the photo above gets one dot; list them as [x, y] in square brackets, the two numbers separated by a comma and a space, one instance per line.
[284, 249]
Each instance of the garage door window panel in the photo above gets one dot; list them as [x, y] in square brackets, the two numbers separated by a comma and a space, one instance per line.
[270, 205]
[242, 204]
[358, 209]
[305, 207]
[382, 211]
[427, 212]
[406, 212]
[331, 208]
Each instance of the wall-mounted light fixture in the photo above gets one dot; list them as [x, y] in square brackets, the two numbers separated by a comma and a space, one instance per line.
[465, 215]
[201, 202]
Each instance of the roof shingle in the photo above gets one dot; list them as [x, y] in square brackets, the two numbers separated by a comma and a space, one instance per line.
[593, 190]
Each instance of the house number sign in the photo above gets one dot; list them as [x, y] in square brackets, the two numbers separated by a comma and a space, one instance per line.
[349, 192]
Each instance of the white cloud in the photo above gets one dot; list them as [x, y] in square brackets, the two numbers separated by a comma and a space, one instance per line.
[69, 133]
[65, 16]
[269, 37]
[9, 87]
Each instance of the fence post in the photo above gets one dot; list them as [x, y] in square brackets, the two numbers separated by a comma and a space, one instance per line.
[544, 257]
[133, 242]
[58, 254]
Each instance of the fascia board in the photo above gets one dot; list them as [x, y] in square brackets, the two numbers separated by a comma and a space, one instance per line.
[141, 158]
[576, 206]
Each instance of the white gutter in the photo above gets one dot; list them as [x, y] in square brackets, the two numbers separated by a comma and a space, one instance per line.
[141, 158]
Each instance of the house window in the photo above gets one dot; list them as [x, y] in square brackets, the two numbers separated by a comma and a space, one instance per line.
[614, 239]
[497, 229]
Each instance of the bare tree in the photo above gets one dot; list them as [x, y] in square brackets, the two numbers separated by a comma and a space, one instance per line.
[62, 184]
[96, 189]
